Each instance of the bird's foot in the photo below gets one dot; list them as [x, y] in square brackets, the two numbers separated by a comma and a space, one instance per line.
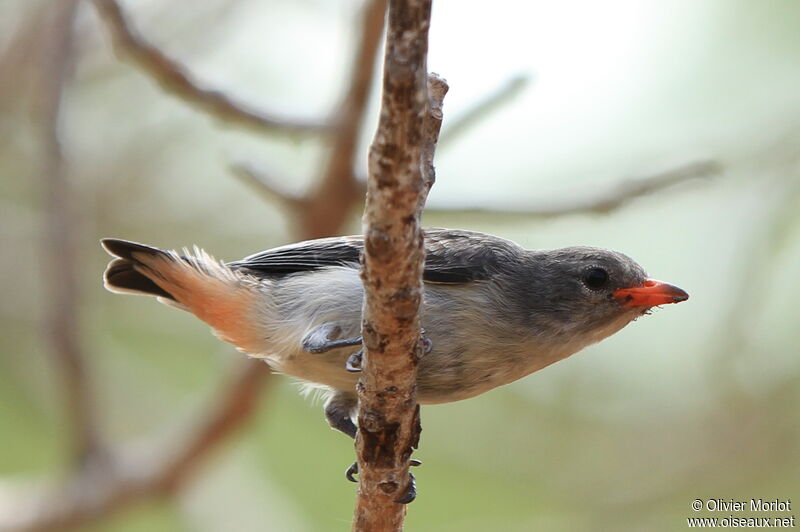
[351, 472]
[427, 345]
[355, 361]
[325, 337]
[411, 490]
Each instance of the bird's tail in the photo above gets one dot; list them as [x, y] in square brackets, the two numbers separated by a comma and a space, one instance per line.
[218, 295]
[123, 277]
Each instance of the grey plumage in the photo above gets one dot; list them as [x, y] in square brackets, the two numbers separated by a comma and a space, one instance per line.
[493, 311]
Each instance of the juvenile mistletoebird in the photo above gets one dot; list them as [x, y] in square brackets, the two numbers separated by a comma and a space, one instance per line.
[493, 312]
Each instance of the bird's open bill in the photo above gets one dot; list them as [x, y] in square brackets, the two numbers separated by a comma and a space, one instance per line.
[652, 293]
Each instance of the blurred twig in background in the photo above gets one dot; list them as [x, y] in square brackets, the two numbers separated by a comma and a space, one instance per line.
[331, 202]
[325, 208]
[93, 493]
[84, 498]
[59, 252]
[269, 186]
[759, 265]
[598, 201]
[175, 78]
[484, 107]
[162, 469]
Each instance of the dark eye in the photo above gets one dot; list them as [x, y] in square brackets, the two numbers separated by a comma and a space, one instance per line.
[595, 278]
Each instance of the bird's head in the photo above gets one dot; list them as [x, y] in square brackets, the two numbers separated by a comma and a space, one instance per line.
[595, 291]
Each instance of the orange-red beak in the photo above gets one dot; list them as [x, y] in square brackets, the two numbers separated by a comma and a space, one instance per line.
[652, 293]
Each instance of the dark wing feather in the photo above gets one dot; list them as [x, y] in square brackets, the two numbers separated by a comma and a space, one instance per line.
[453, 256]
[303, 256]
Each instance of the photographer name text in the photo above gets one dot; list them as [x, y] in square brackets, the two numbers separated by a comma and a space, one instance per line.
[752, 505]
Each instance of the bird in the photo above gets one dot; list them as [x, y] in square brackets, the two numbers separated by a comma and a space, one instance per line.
[492, 312]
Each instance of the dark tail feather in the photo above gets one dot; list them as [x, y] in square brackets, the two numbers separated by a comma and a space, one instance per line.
[121, 274]
[124, 248]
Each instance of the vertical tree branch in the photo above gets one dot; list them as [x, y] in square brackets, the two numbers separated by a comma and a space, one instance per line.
[389, 425]
[59, 253]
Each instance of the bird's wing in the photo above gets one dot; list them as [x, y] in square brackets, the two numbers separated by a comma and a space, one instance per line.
[452, 256]
[304, 256]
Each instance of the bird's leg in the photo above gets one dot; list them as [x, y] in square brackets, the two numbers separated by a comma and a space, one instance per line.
[338, 411]
[324, 337]
[340, 406]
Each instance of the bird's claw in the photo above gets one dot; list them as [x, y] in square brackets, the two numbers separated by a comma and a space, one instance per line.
[411, 491]
[351, 471]
[355, 361]
[427, 345]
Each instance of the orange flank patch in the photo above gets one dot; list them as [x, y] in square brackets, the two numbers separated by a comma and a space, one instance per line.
[211, 292]
[226, 308]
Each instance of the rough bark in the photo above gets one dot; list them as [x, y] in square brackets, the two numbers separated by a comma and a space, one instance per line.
[389, 424]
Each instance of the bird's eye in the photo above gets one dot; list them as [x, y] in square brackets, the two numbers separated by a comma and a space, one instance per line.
[595, 278]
